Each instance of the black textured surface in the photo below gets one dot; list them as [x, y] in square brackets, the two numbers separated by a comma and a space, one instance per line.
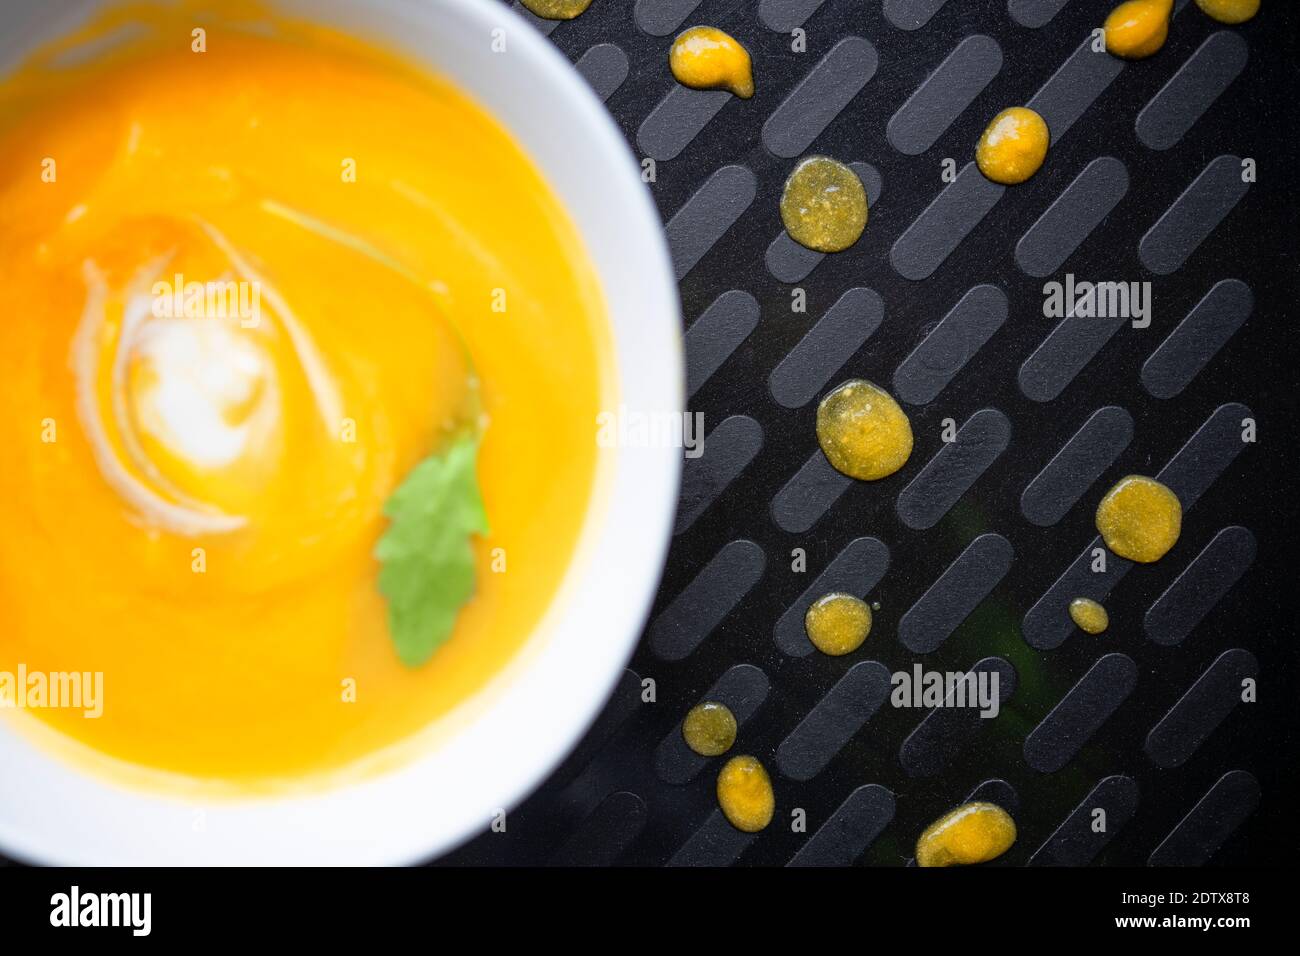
[973, 550]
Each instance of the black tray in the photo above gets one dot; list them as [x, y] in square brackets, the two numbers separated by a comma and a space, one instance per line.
[1146, 158]
[726, 619]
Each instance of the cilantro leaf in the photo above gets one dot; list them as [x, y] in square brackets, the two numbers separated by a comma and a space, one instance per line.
[428, 563]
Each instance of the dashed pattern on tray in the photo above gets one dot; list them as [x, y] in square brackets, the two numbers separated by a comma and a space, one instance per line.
[975, 549]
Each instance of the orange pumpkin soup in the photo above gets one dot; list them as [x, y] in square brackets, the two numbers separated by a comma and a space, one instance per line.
[249, 288]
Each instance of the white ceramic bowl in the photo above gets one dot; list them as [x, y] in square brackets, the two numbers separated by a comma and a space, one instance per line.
[55, 811]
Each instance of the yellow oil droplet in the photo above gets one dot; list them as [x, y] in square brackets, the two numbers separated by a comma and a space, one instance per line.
[1140, 519]
[709, 729]
[705, 58]
[1090, 616]
[973, 833]
[837, 624]
[1230, 11]
[556, 9]
[1013, 146]
[745, 794]
[863, 431]
[1137, 29]
[824, 205]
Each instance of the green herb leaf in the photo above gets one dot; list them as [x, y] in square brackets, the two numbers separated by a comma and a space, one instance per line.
[428, 563]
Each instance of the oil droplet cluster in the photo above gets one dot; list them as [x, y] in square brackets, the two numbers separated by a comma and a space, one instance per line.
[556, 9]
[1089, 616]
[863, 431]
[745, 794]
[1140, 519]
[705, 58]
[1013, 146]
[709, 729]
[837, 624]
[1137, 29]
[973, 833]
[866, 435]
[824, 205]
[744, 789]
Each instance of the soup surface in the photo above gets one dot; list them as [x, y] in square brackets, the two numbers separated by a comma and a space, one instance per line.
[253, 278]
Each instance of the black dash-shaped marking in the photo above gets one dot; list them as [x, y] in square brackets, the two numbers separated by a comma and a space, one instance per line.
[708, 214]
[715, 843]
[789, 262]
[1207, 454]
[743, 688]
[605, 67]
[950, 345]
[703, 604]
[1200, 587]
[820, 96]
[661, 17]
[808, 494]
[1074, 87]
[623, 702]
[784, 15]
[1047, 624]
[677, 119]
[848, 832]
[1075, 842]
[1072, 217]
[825, 348]
[1192, 90]
[1065, 352]
[996, 791]
[1188, 474]
[957, 466]
[1035, 13]
[957, 592]
[911, 14]
[945, 95]
[1197, 339]
[943, 224]
[610, 829]
[836, 718]
[946, 730]
[1083, 459]
[540, 23]
[1207, 826]
[856, 570]
[711, 339]
[728, 450]
[1193, 216]
[1072, 722]
[1206, 704]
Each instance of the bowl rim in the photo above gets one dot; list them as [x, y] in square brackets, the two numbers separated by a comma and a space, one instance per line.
[52, 811]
